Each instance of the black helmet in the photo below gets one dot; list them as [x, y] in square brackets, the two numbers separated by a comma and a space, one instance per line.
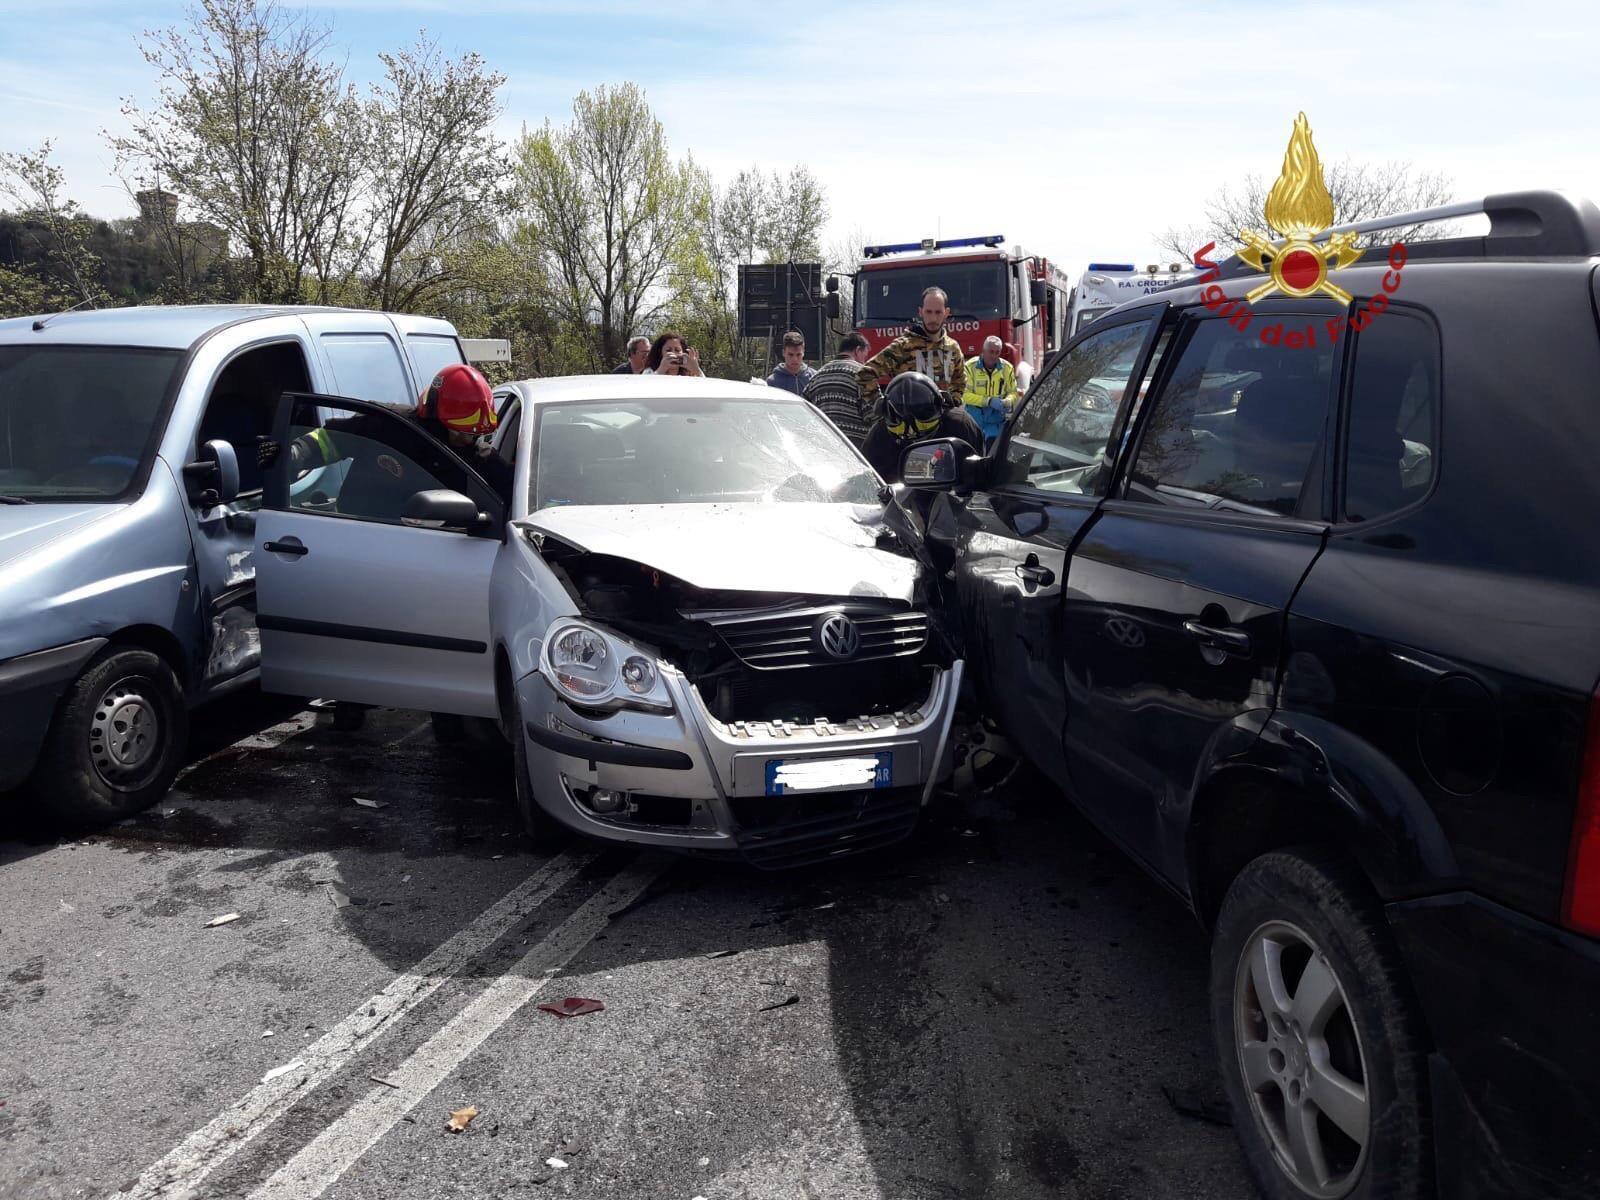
[912, 403]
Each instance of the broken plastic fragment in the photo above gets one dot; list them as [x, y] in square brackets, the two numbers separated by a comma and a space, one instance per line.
[722, 954]
[224, 919]
[555, 1163]
[460, 1118]
[572, 1006]
[365, 803]
[283, 1070]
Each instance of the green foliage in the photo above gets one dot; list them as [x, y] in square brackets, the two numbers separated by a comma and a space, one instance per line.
[262, 175]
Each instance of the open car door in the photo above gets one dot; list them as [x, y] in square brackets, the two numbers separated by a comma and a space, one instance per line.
[373, 553]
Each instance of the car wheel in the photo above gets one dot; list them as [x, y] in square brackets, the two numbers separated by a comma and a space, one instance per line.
[1320, 1043]
[540, 828]
[116, 742]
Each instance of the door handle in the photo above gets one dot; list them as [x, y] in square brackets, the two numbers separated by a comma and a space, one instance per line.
[1030, 571]
[292, 546]
[1234, 641]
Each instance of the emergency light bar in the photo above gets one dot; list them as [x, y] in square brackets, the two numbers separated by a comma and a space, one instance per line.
[928, 244]
[1110, 266]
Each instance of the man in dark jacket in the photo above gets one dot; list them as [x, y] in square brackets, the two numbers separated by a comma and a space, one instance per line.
[914, 411]
[638, 352]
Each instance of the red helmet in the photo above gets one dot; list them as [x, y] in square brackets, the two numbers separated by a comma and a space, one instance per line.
[459, 398]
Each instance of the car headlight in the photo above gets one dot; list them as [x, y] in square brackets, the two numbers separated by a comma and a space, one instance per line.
[597, 669]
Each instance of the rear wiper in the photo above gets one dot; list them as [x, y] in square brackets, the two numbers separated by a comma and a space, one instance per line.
[15, 500]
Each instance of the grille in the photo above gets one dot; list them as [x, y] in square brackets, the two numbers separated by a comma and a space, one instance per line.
[790, 639]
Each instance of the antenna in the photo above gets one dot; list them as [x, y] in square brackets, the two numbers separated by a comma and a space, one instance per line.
[43, 321]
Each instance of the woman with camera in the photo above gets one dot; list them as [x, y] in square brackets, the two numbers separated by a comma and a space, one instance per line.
[669, 356]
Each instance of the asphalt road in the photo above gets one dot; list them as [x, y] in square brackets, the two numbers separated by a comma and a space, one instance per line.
[993, 1010]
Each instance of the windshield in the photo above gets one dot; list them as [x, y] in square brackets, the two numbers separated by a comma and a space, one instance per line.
[892, 295]
[76, 422]
[694, 451]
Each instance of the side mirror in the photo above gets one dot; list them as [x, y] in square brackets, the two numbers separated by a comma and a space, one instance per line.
[831, 305]
[833, 284]
[440, 509]
[213, 478]
[1038, 293]
[936, 465]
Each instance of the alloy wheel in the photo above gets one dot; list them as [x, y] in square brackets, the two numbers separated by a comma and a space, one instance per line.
[1301, 1060]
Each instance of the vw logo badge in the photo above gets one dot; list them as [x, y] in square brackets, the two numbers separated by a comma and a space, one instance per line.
[838, 636]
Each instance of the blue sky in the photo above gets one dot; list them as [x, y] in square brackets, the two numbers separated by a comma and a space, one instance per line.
[1079, 134]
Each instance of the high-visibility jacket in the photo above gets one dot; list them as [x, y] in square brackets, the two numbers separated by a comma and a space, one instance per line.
[985, 386]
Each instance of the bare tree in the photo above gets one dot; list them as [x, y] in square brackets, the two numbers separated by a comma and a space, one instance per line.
[38, 187]
[436, 170]
[610, 208]
[260, 135]
[1360, 191]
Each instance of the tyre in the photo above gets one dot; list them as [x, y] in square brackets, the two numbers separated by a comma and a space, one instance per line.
[116, 742]
[1319, 1040]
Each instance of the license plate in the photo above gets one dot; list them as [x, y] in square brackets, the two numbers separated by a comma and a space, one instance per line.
[786, 776]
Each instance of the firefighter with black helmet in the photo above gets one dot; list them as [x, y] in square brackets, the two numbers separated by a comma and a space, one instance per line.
[914, 411]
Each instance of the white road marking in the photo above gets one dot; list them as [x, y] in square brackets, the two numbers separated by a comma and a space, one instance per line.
[274, 735]
[339, 1146]
[202, 1152]
[409, 734]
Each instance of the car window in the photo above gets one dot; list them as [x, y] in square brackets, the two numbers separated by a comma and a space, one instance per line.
[431, 353]
[77, 423]
[366, 366]
[243, 405]
[1237, 425]
[1061, 440]
[694, 450]
[347, 463]
[1392, 416]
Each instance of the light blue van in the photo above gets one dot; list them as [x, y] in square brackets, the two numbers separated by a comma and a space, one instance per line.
[128, 495]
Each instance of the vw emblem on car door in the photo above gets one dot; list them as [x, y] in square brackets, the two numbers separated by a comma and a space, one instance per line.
[1124, 633]
[838, 636]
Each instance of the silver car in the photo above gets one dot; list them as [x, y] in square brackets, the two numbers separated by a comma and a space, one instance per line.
[128, 494]
[700, 617]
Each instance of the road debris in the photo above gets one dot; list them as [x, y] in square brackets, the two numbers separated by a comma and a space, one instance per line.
[365, 803]
[555, 1164]
[386, 1082]
[784, 1003]
[224, 919]
[722, 954]
[460, 1118]
[66, 908]
[266, 1033]
[1202, 1108]
[283, 1070]
[572, 1006]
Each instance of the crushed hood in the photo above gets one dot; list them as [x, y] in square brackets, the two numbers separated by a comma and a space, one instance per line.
[26, 527]
[810, 549]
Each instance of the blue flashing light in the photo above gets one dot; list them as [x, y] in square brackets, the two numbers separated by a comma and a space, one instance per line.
[993, 239]
[1111, 266]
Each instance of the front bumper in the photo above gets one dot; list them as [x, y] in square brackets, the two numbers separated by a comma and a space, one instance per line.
[1513, 1006]
[30, 685]
[696, 783]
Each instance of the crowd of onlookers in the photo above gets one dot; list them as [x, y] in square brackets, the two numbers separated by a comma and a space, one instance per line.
[933, 390]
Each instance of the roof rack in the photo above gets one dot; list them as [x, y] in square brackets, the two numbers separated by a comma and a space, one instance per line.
[1521, 225]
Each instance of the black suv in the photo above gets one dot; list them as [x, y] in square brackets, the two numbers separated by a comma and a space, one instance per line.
[1300, 602]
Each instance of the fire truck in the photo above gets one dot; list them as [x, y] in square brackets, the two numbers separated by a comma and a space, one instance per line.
[1105, 285]
[1022, 299]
